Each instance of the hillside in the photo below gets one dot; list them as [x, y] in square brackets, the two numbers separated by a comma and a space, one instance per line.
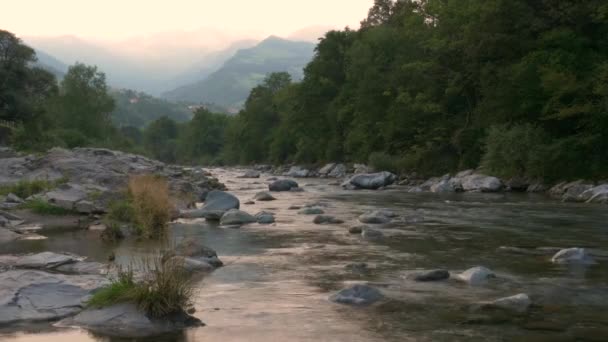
[230, 85]
[138, 109]
[50, 63]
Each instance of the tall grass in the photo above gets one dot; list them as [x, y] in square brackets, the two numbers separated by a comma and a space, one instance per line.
[41, 207]
[27, 188]
[166, 288]
[151, 204]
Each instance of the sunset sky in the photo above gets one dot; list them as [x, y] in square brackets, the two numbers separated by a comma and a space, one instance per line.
[119, 19]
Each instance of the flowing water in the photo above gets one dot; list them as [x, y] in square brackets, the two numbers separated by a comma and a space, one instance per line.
[277, 278]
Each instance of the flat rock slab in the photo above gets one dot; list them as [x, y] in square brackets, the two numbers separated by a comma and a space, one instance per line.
[45, 260]
[126, 321]
[34, 296]
[8, 235]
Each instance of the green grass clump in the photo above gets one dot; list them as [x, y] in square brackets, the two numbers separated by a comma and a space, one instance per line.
[167, 288]
[120, 211]
[25, 189]
[41, 207]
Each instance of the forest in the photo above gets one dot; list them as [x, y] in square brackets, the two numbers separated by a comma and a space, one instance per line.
[516, 87]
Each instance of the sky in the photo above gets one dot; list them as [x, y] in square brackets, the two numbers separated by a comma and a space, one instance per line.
[122, 19]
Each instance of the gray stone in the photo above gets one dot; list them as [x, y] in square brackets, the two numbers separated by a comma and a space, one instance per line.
[83, 267]
[338, 172]
[193, 264]
[444, 185]
[236, 217]
[598, 194]
[66, 196]
[481, 183]
[8, 235]
[575, 193]
[357, 295]
[356, 229]
[216, 204]
[33, 296]
[433, 275]
[372, 181]
[85, 207]
[12, 198]
[519, 184]
[464, 173]
[10, 217]
[572, 256]
[250, 174]
[325, 170]
[476, 276]
[296, 189]
[195, 249]
[311, 211]
[371, 234]
[517, 303]
[298, 172]
[265, 217]
[375, 217]
[326, 219]
[45, 260]
[126, 321]
[282, 185]
[263, 196]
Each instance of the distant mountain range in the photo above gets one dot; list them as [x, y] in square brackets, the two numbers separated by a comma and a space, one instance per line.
[230, 85]
[50, 63]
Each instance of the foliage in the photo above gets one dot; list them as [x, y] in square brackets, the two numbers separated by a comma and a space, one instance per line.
[150, 203]
[120, 211]
[138, 109]
[381, 161]
[25, 188]
[166, 288]
[42, 207]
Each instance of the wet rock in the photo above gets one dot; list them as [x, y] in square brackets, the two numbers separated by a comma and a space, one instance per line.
[263, 196]
[325, 170]
[83, 267]
[356, 229]
[433, 275]
[326, 219]
[574, 193]
[34, 296]
[464, 173]
[481, 183]
[375, 217]
[371, 234]
[476, 276]
[572, 256]
[250, 174]
[444, 185]
[45, 260]
[10, 216]
[282, 185]
[7, 235]
[357, 295]
[265, 217]
[236, 217]
[294, 207]
[518, 184]
[217, 203]
[311, 211]
[598, 194]
[126, 321]
[338, 172]
[195, 249]
[372, 181]
[537, 186]
[298, 172]
[296, 189]
[518, 303]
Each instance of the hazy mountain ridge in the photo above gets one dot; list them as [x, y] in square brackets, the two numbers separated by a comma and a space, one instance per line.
[230, 85]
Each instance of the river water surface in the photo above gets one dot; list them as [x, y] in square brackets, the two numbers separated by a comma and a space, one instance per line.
[277, 278]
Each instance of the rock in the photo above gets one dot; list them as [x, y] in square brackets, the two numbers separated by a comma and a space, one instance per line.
[193, 248]
[7, 235]
[518, 303]
[445, 185]
[464, 173]
[296, 189]
[249, 203]
[217, 203]
[45, 260]
[371, 234]
[357, 295]
[236, 217]
[574, 193]
[298, 172]
[12, 198]
[9, 216]
[282, 185]
[85, 207]
[263, 196]
[83, 267]
[572, 256]
[374, 217]
[325, 170]
[34, 296]
[598, 194]
[311, 211]
[192, 264]
[250, 174]
[326, 219]
[518, 184]
[481, 183]
[294, 207]
[372, 181]
[98, 227]
[538, 186]
[433, 275]
[339, 171]
[264, 217]
[356, 229]
[66, 196]
[476, 276]
[7, 152]
[359, 267]
[126, 321]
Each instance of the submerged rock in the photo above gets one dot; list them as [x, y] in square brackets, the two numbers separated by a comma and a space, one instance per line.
[263, 196]
[195, 249]
[326, 219]
[476, 276]
[372, 181]
[371, 234]
[433, 275]
[282, 185]
[311, 211]
[356, 229]
[236, 217]
[572, 256]
[375, 217]
[35, 296]
[264, 217]
[216, 204]
[126, 321]
[357, 295]
[250, 174]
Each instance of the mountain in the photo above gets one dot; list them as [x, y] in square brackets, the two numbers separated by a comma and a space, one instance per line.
[51, 64]
[138, 109]
[230, 85]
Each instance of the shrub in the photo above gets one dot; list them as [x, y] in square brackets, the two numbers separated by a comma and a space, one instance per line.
[151, 204]
[166, 288]
[120, 211]
[381, 161]
[41, 207]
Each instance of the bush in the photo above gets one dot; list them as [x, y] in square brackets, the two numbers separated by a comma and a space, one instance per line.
[167, 288]
[513, 151]
[41, 207]
[150, 203]
[381, 161]
[120, 211]
[72, 138]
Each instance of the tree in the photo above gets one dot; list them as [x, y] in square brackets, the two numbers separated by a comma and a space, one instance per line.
[160, 139]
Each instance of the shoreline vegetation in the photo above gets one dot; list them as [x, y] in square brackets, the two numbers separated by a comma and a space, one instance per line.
[422, 87]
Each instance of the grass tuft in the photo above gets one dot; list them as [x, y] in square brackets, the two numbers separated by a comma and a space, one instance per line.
[41, 207]
[151, 204]
[25, 188]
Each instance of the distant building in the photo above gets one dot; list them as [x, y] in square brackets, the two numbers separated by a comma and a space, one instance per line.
[134, 100]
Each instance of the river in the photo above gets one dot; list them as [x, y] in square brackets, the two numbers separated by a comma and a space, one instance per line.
[277, 278]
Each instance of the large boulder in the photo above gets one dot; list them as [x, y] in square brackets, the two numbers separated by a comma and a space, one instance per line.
[575, 192]
[476, 276]
[298, 172]
[339, 171]
[572, 256]
[371, 181]
[481, 183]
[236, 217]
[325, 170]
[598, 194]
[66, 196]
[127, 321]
[357, 295]
[34, 296]
[282, 185]
[216, 204]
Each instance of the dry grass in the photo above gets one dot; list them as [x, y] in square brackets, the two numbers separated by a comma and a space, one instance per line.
[150, 203]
